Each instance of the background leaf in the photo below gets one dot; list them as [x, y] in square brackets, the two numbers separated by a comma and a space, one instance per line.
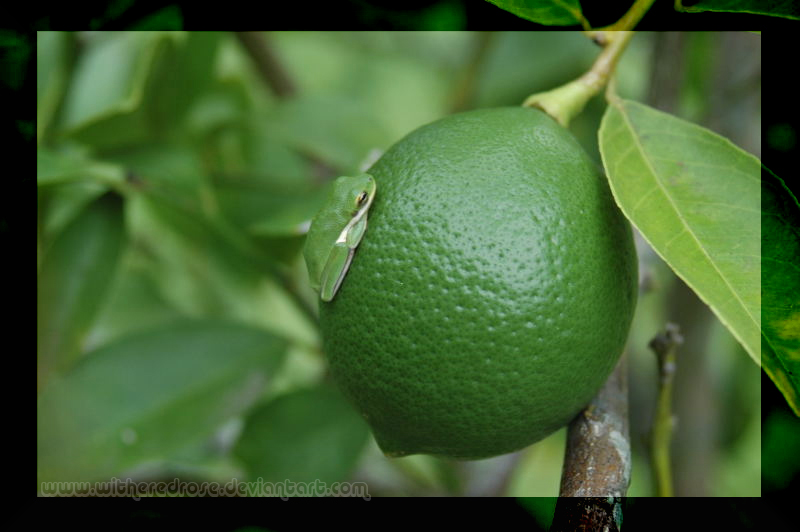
[775, 8]
[204, 269]
[555, 58]
[303, 436]
[72, 285]
[111, 114]
[52, 50]
[695, 198]
[549, 12]
[323, 127]
[147, 396]
[55, 168]
[780, 286]
[219, 176]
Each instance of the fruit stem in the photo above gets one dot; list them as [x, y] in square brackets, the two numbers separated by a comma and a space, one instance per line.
[565, 102]
[628, 21]
[664, 345]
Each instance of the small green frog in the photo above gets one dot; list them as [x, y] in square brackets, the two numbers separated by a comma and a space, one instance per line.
[336, 231]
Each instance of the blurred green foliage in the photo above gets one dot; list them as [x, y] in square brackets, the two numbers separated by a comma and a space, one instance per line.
[177, 332]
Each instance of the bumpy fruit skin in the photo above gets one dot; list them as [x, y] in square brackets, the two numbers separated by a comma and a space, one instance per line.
[493, 292]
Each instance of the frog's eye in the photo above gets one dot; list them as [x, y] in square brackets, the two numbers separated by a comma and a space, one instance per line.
[361, 198]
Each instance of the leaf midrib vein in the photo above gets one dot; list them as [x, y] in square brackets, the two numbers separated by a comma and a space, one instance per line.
[680, 215]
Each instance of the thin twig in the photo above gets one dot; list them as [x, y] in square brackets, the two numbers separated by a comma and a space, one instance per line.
[664, 345]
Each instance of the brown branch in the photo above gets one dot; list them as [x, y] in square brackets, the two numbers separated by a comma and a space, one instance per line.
[465, 89]
[258, 46]
[260, 49]
[597, 462]
[587, 513]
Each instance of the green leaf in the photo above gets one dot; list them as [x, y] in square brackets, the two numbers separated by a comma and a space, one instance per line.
[775, 8]
[117, 60]
[336, 129]
[780, 440]
[55, 168]
[695, 198]
[780, 286]
[15, 49]
[203, 267]
[76, 272]
[170, 168]
[61, 204]
[264, 209]
[134, 304]
[361, 91]
[104, 106]
[183, 77]
[276, 216]
[52, 49]
[549, 12]
[147, 396]
[301, 437]
[168, 17]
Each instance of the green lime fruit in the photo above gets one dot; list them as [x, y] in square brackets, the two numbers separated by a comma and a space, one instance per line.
[492, 293]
